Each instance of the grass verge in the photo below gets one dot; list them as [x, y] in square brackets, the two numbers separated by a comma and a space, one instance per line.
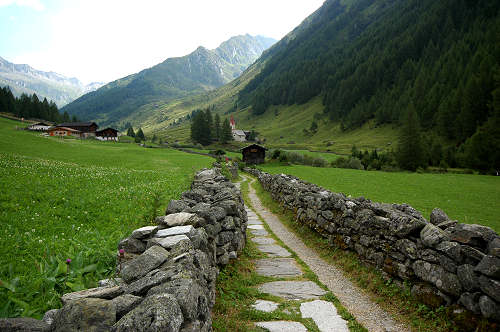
[397, 301]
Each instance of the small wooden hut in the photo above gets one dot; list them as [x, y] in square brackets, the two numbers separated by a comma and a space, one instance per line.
[254, 154]
[108, 134]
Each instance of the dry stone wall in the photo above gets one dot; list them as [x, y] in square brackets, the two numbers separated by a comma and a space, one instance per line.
[446, 261]
[167, 272]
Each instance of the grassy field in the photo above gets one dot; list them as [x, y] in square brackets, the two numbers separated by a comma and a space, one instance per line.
[329, 157]
[66, 198]
[472, 199]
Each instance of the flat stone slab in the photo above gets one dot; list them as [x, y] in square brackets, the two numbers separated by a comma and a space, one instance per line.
[259, 232]
[278, 267]
[167, 242]
[254, 221]
[274, 250]
[255, 226]
[293, 290]
[282, 326]
[99, 292]
[143, 232]
[266, 306]
[177, 230]
[325, 315]
[263, 240]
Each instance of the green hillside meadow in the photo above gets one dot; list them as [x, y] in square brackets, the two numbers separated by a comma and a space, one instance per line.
[472, 199]
[66, 198]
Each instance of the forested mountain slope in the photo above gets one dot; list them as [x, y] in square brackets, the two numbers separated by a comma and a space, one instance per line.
[372, 59]
[200, 71]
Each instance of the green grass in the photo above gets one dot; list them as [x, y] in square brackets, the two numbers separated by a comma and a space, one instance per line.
[329, 157]
[397, 301]
[67, 198]
[472, 199]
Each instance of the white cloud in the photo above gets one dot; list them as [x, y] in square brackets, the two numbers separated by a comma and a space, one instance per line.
[97, 40]
[33, 4]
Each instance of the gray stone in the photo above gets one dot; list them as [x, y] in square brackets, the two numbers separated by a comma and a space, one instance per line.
[435, 274]
[150, 280]
[265, 306]
[206, 174]
[144, 232]
[156, 313]
[408, 248]
[167, 242]
[176, 230]
[490, 286]
[471, 255]
[224, 237]
[175, 206]
[274, 250]
[99, 292]
[446, 224]
[489, 266]
[277, 267]
[428, 295]
[87, 314]
[489, 308]
[494, 247]
[452, 249]
[263, 240]
[325, 315]
[233, 255]
[438, 216]
[189, 295]
[404, 225]
[293, 290]
[125, 303]
[328, 215]
[23, 324]
[217, 213]
[432, 235]
[132, 245]
[470, 301]
[200, 239]
[467, 277]
[141, 265]
[228, 224]
[471, 234]
[110, 282]
[229, 206]
[255, 227]
[259, 232]
[177, 219]
[282, 326]
[49, 316]
[254, 221]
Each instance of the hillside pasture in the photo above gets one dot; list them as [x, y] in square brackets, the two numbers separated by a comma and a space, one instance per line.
[68, 198]
[472, 199]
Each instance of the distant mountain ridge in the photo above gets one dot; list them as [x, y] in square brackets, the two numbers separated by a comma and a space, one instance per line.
[22, 78]
[200, 71]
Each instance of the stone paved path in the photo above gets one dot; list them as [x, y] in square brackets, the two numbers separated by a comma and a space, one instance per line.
[323, 313]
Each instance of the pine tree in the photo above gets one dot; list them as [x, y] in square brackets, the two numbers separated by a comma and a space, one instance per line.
[227, 134]
[140, 134]
[410, 150]
[130, 132]
[209, 125]
[217, 127]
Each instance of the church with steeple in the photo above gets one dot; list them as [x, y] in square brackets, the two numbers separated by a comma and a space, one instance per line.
[238, 134]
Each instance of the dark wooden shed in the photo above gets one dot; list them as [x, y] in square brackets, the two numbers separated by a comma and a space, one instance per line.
[254, 154]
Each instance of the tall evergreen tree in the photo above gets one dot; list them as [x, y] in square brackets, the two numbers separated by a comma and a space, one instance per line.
[410, 150]
[227, 134]
[140, 134]
[209, 124]
[217, 127]
[130, 132]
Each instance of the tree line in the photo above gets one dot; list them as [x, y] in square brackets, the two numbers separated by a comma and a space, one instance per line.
[30, 107]
[206, 129]
[379, 60]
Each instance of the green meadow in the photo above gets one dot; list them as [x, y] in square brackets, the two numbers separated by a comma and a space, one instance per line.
[71, 199]
[472, 199]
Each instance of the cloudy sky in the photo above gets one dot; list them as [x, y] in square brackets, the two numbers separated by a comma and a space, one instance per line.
[102, 40]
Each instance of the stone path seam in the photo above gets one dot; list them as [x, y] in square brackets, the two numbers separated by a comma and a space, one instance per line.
[366, 312]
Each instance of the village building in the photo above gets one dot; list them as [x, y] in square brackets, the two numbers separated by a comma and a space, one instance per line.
[238, 135]
[39, 126]
[254, 154]
[108, 134]
[63, 131]
[87, 129]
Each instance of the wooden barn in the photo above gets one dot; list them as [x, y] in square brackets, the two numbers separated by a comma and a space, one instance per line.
[63, 131]
[39, 126]
[86, 128]
[254, 154]
[108, 134]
